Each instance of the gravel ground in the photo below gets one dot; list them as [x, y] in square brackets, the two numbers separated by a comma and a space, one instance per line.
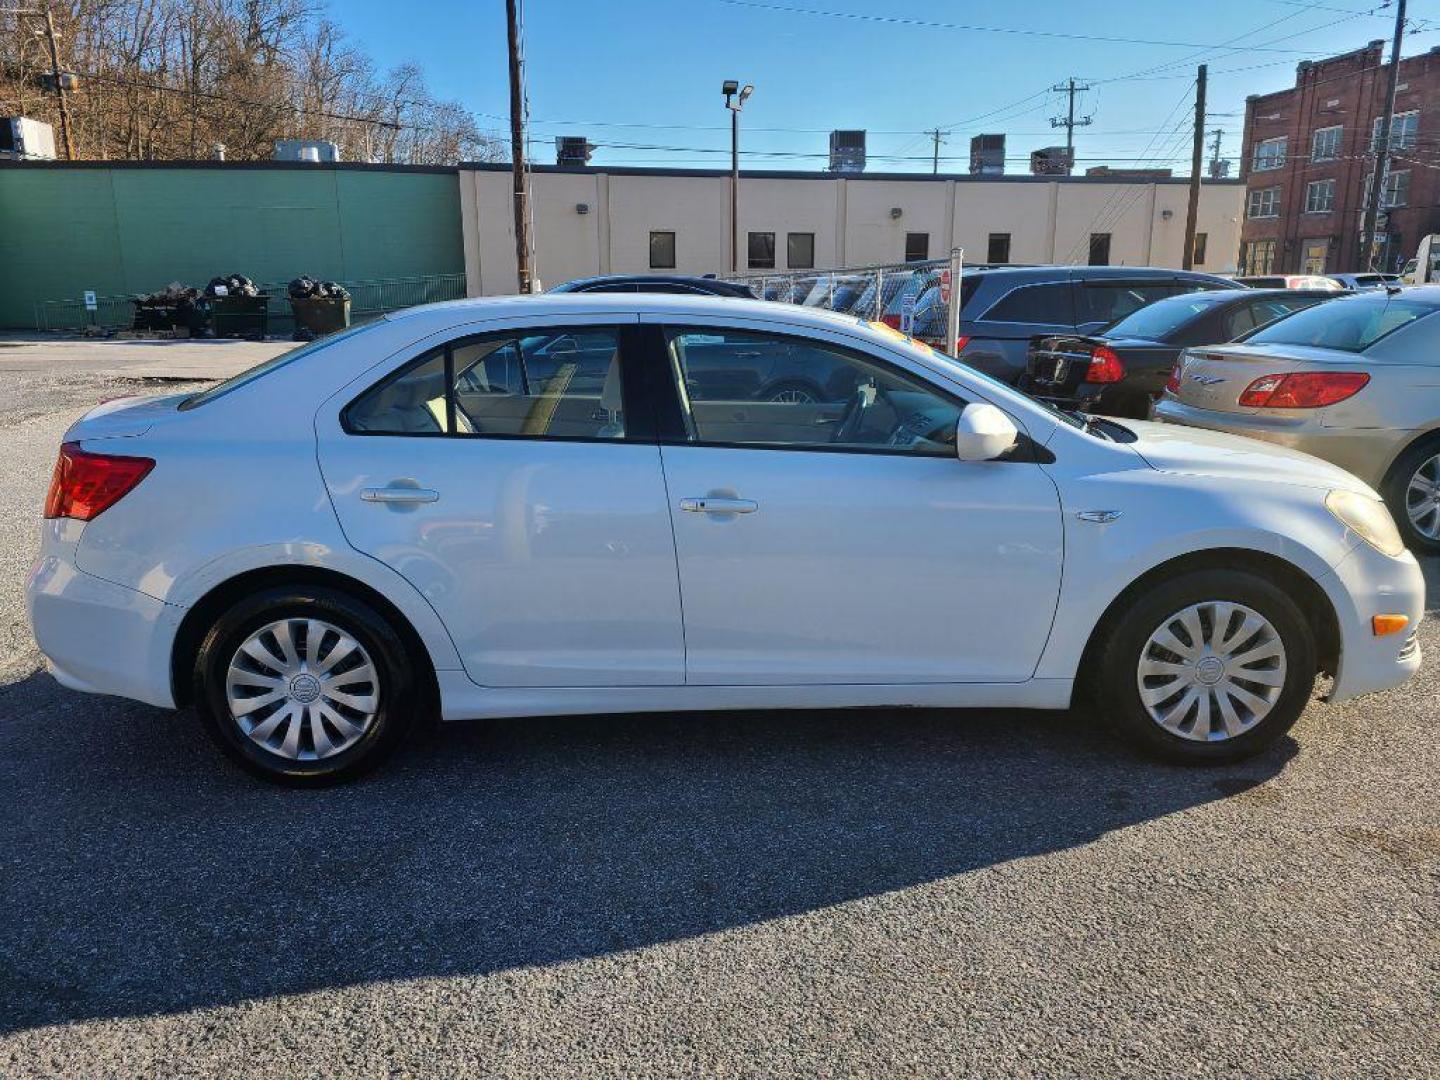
[820, 893]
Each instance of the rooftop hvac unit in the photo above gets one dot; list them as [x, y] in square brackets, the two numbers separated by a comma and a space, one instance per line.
[987, 155]
[847, 151]
[572, 150]
[24, 139]
[1050, 161]
[314, 151]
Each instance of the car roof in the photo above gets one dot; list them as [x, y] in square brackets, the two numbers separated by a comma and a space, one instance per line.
[582, 305]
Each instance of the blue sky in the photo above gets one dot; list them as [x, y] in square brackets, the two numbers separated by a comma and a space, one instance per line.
[642, 77]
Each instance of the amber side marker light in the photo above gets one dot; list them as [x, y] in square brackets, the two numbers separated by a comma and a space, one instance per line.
[1389, 624]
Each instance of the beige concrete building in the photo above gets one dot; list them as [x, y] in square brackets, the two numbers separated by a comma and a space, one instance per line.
[630, 220]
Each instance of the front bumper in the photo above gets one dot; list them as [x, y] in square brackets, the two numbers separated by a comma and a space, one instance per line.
[1366, 452]
[1368, 583]
[100, 637]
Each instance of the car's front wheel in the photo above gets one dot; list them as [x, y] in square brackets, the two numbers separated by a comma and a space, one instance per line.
[1210, 666]
[305, 685]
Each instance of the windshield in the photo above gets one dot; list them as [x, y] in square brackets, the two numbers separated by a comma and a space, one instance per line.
[249, 375]
[1160, 318]
[1346, 325]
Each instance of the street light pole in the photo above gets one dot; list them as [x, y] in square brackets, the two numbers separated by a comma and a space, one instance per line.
[735, 96]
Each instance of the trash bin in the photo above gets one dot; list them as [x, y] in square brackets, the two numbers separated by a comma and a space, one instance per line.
[316, 316]
[239, 316]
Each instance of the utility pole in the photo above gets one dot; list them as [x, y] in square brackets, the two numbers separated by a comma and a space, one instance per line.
[1371, 250]
[935, 166]
[55, 75]
[1197, 155]
[1068, 121]
[517, 155]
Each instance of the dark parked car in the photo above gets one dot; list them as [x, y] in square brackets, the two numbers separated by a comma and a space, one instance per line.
[1366, 282]
[1121, 370]
[1002, 309]
[656, 283]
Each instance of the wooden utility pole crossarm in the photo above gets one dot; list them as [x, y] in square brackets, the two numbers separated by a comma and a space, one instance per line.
[1192, 212]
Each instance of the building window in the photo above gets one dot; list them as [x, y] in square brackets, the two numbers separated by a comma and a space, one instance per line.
[1396, 189]
[1319, 196]
[1269, 154]
[1403, 129]
[762, 251]
[1264, 202]
[1257, 257]
[1197, 253]
[998, 250]
[800, 250]
[662, 251]
[1312, 256]
[917, 246]
[1099, 249]
[1325, 143]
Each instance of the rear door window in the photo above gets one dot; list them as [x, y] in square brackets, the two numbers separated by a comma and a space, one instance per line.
[1049, 304]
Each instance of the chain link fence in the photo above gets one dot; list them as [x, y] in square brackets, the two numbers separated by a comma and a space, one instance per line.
[911, 297]
[368, 300]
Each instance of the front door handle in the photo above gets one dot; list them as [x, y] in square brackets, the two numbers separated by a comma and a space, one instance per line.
[399, 495]
[713, 505]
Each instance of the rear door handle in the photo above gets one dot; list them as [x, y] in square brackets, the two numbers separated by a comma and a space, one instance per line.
[399, 495]
[713, 505]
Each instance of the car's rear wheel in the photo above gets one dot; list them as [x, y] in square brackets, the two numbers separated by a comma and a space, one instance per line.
[1210, 666]
[304, 686]
[1412, 491]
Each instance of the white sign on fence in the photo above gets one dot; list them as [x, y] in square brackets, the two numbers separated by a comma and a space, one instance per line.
[91, 304]
[907, 313]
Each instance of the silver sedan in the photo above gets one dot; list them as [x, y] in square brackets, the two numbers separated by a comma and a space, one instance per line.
[1355, 381]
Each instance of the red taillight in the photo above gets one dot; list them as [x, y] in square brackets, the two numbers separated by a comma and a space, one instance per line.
[892, 321]
[1303, 389]
[84, 485]
[1172, 384]
[960, 342]
[1105, 366]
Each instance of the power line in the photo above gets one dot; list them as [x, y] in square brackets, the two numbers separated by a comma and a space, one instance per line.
[898, 20]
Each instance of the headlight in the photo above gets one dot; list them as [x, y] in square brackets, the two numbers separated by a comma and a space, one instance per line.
[1368, 519]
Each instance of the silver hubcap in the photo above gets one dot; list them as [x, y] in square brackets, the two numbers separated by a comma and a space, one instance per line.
[1211, 671]
[302, 689]
[1422, 499]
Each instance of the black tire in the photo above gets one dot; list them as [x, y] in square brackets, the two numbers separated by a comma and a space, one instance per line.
[1395, 488]
[1116, 691]
[396, 688]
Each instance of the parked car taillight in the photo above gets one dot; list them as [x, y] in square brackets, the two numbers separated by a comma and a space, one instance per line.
[892, 321]
[1172, 384]
[1105, 366]
[84, 484]
[1303, 389]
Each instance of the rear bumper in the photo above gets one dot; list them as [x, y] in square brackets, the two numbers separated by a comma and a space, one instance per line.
[1365, 584]
[1366, 452]
[100, 637]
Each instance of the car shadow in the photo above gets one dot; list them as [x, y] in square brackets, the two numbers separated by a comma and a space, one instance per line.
[143, 873]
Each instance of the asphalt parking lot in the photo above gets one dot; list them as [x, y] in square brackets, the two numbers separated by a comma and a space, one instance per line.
[821, 893]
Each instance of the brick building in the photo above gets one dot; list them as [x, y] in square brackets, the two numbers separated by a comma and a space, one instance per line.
[1308, 155]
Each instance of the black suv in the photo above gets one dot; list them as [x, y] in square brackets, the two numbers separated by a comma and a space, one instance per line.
[1002, 309]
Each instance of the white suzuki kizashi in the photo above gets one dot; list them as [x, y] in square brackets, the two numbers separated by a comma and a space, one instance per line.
[610, 503]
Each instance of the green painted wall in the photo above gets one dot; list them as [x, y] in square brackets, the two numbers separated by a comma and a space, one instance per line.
[121, 230]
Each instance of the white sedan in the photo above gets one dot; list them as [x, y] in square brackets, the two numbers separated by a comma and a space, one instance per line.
[599, 504]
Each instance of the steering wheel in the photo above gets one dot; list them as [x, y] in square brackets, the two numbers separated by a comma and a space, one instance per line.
[852, 419]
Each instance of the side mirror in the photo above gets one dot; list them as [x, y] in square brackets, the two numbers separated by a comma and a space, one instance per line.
[983, 433]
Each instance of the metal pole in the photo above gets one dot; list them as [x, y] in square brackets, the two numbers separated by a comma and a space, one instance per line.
[517, 154]
[1382, 145]
[1187, 261]
[734, 190]
[59, 87]
[952, 307]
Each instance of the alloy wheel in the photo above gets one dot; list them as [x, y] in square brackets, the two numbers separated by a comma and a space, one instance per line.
[1211, 671]
[1422, 498]
[302, 689]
